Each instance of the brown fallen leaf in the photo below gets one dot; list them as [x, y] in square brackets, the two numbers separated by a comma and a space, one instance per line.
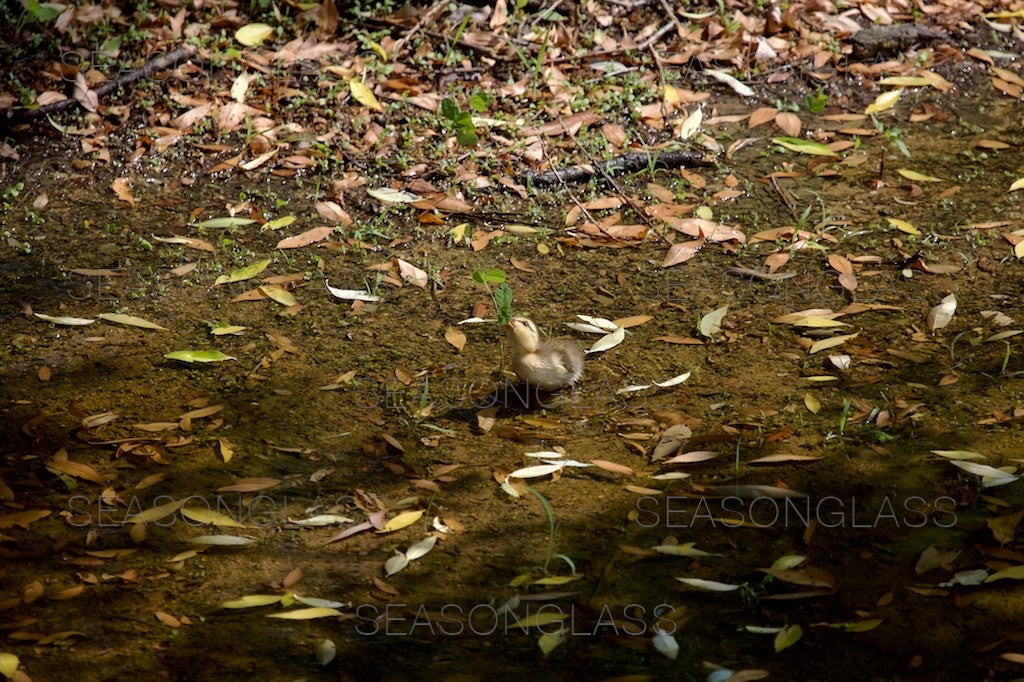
[455, 337]
[317, 234]
[123, 189]
[682, 252]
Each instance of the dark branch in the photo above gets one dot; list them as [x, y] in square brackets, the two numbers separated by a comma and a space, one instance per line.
[631, 162]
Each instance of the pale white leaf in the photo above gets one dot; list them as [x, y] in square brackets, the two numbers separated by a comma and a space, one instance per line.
[958, 454]
[325, 652]
[536, 471]
[723, 77]
[395, 563]
[710, 585]
[321, 520]
[585, 328]
[608, 341]
[692, 124]
[222, 540]
[395, 196]
[599, 322]
[350, 294]
[711, 323]
[415, 551]
[674, 381]
[665, 644]
[942, 314]
[632, 389]
[67, 321]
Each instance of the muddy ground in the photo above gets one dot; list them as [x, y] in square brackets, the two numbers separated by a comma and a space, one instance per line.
[353, 409]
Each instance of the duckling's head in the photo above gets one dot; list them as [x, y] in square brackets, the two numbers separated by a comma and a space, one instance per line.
[523, 333]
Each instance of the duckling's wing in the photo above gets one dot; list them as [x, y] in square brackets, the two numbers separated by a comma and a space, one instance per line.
[568, 357]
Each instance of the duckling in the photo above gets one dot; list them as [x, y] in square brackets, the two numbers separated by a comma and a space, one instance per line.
[550, 364]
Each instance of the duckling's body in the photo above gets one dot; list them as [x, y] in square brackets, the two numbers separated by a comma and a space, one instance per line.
[547, 364]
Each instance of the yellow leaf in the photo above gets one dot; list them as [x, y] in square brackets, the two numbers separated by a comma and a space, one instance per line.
[227, 450]
[1014, 572]
[903, 226]
[812, 403]
[242, 274]
[787, 637]
[378, 50]
[251, 600]
[1017, 184]
[130, 320]
[251, 35]
[205, 515]
[886, 100]
[306, 614]
[917, 177]
[458, 232]
[8, 665]
[279, 294]
[362, 94]
[550, 641]
[556, 580]
[402, 520]
[538, 619]
[671, 95]
[904, 81]
[155, 513]
[825, 344]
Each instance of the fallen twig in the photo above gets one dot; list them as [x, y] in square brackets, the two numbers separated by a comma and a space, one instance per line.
[630, 162]
[148, 69]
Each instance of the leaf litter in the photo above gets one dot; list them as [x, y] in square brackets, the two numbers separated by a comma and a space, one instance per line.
[744, 382]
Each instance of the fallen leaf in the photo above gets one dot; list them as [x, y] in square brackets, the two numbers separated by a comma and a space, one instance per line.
[455, 337]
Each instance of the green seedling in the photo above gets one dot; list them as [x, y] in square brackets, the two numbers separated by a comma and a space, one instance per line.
[501, 295]
[461, 122]
[551, 531]
[844, 415]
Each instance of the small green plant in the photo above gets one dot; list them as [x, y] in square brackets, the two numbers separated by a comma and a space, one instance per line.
[42, 12]
[11, 193]
[459, 121]
[844, 415]
[816, 103]
[551, 534]
[500, 295]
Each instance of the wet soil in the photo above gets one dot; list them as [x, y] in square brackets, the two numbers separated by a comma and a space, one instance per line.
[360, 407]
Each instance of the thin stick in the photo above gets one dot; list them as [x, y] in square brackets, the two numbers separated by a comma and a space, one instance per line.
[427, 18]
[151, 67]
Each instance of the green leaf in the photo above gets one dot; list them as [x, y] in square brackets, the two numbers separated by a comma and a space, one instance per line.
[467, 138]
[479, 101]
[449, 109]
[489, 276]
[503, 299]
[802, 146]
[198, 356]
[241, 274]
[816, 104]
